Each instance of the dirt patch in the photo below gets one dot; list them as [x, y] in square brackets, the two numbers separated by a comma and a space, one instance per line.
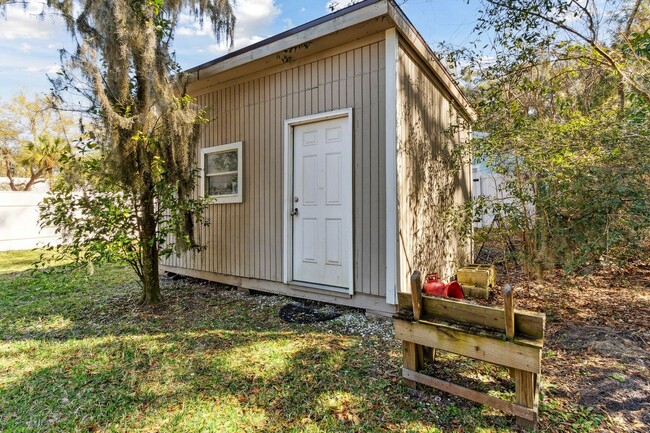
[597, 350]
[602, 340]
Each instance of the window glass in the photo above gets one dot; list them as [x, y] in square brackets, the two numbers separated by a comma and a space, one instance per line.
[222, 184]
[222, 162]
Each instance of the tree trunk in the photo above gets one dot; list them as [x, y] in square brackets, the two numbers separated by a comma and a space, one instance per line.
[35, 177]
[150, 281]
[12, 184]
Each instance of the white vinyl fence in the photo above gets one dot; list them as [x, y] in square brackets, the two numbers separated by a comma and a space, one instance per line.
[490, 185]
[487, 184]
[19, 227]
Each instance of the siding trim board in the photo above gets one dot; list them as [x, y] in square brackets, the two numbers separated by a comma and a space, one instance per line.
[392, 230]
[372, 304]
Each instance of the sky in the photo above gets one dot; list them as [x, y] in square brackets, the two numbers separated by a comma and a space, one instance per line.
[30, 41]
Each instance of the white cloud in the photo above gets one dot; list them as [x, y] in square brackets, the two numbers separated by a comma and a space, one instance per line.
[48, 69]
[28, 23]
[254, 17]
[254, 20]
[25, 47]
[194, 29]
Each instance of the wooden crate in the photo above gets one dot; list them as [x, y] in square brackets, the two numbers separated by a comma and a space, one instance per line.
[475, 292]
[483, 276]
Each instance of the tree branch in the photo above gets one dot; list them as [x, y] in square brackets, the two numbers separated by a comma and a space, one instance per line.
[631, 18]
[592, 42]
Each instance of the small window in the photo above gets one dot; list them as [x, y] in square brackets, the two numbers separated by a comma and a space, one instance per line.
[221, 168]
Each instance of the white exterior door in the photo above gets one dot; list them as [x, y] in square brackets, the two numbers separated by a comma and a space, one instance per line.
[322, 203]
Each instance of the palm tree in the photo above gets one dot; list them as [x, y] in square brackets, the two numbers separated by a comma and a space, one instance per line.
[40, 157]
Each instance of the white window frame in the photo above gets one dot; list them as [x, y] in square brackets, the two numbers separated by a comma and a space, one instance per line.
[230, 198]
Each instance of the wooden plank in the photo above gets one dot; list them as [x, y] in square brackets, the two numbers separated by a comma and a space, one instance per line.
[416, 290]
[254, 197]
[470, 394]
[390, 159]
[484, 348]
[380, 148]
[321, 86]
[361, 69]
[314, 87]
[336, 83]
[216, 235]
[328, 83]
[238, 132]
[226, 123]
[526, 322]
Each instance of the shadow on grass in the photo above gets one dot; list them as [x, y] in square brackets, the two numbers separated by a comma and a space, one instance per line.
[205, 360]
[214, 380]
[60, 301]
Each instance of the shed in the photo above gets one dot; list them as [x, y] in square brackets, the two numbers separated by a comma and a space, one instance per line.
[330, 161]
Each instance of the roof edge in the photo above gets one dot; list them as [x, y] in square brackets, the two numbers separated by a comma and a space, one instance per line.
[285, 34]
[404, 26]
[411, 34]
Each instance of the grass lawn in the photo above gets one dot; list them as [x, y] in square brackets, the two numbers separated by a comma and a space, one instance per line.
[77, 355]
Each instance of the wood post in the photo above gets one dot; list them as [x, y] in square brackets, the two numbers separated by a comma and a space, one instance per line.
[416, 295]
[509, 312]
[527, 394]
[509, 318]
[410, 360]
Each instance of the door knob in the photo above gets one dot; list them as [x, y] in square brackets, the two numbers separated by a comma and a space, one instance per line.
[294, 212]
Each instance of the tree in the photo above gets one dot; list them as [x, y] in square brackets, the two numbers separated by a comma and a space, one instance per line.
[567, 118]
[32, 139]
[99, 220]
[614, 34]
[148, 124]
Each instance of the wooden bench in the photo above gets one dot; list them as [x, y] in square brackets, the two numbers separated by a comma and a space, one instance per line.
[501, 336]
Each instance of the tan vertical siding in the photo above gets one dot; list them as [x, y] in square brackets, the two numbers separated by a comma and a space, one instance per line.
[428, 183]
[246, 239]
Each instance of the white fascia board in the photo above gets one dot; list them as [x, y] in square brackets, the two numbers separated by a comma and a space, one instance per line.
[353, 18]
